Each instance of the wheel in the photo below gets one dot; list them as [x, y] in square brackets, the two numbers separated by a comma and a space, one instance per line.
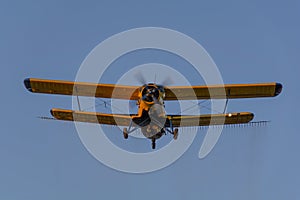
[125, 133]
[175, 134]
[153, 144]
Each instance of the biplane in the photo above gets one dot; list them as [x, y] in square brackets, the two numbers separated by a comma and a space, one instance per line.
[151, 118]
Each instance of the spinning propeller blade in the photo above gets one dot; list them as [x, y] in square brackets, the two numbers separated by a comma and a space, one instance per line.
[167, 81]
[140, 78]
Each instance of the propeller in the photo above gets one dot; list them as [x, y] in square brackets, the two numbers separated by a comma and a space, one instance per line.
[155, 100]
[150, 93]
[167, 81]
[142, 79]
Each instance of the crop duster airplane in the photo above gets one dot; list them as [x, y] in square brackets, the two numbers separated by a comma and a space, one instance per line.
[152, 118]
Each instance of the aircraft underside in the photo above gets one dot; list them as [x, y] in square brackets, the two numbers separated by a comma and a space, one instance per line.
[152, 125]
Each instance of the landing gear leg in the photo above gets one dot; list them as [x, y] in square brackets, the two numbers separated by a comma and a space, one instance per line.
[129, 130]
[153, 143]
[125, 133]
[175, 133]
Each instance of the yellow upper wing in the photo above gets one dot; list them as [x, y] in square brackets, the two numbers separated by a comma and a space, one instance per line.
[82, 89]
[176, 120]
[230, 91]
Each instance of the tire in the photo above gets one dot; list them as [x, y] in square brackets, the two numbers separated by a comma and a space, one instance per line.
[175, 134]
[153, 144]
[125, 133]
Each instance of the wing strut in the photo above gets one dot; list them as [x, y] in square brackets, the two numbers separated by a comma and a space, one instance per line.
[77, 97]
[227, 98]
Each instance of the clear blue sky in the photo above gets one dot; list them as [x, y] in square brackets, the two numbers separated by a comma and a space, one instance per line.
[250, 41]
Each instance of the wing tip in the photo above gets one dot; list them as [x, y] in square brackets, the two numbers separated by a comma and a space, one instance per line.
[251, 116]
[27, 84]
[51, 112]
[278, 89]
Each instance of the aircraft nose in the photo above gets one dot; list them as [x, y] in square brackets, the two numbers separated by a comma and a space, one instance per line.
[278, 89]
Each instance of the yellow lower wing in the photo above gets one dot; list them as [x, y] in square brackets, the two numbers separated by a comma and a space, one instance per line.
[91, 117]
[210, 119]
[176, 120]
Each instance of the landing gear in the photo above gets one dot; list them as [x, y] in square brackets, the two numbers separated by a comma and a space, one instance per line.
[129, 130]
[125, 133]
[175, 133]
[153, 143]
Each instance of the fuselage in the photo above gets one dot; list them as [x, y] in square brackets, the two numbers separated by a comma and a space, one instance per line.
[151, 112]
